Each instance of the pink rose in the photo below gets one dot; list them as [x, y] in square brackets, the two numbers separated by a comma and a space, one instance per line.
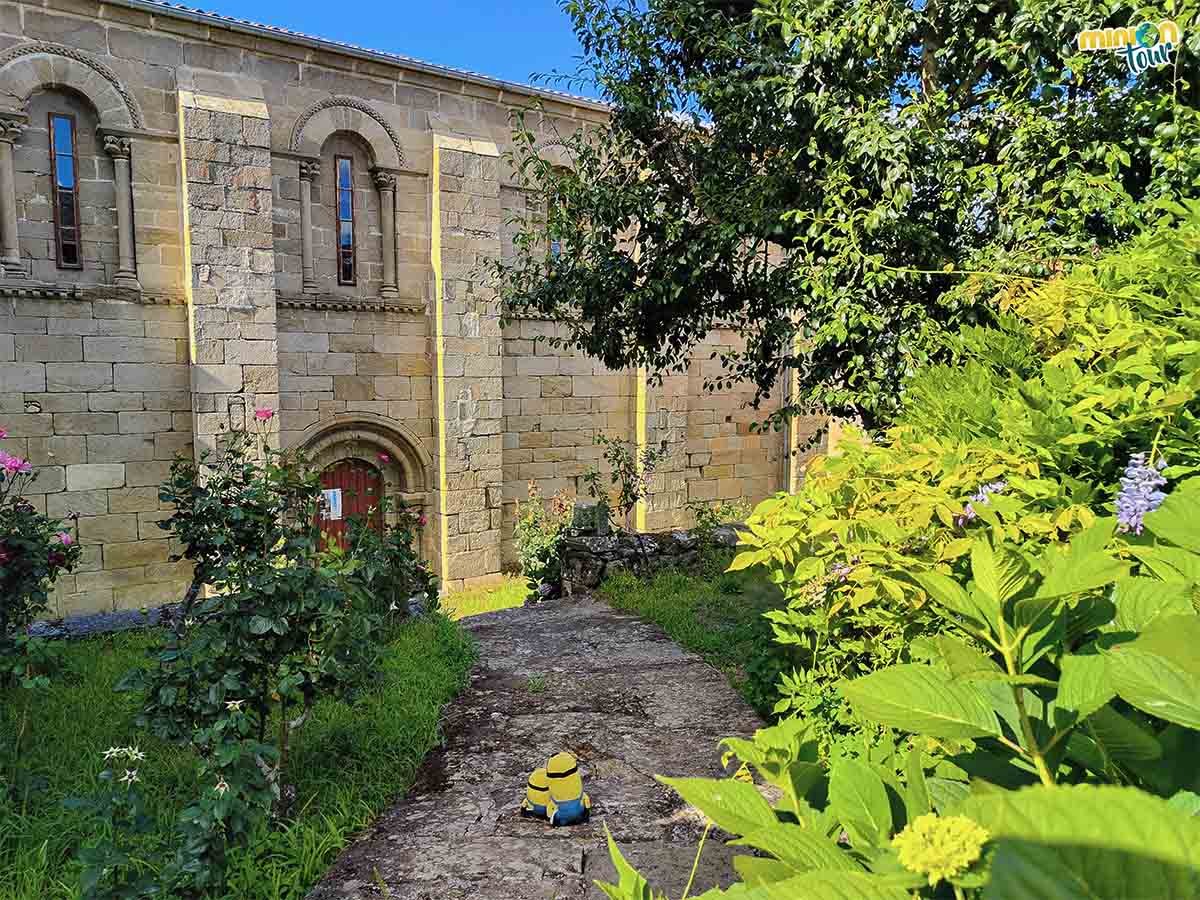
[65, 539]
[14, 465]
[384, 458]
[264, 414]
[422, 521]
[3, 434]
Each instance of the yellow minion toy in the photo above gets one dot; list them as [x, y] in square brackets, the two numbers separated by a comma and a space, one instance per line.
[537, 795]
[568, 804]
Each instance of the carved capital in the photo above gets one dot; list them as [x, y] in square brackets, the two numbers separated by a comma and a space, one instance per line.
[11, 129]
[309, 171]
[117, 146]
[384, 181]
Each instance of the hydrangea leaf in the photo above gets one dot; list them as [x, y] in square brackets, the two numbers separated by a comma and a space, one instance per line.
[1110, 843]
[923, 700]
[1159, 671]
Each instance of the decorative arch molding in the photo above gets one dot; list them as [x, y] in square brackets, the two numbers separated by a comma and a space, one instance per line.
[319, 121]
[555, 152]
[27, 68]
[364, 436]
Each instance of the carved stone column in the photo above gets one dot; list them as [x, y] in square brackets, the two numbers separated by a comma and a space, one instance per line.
[308, 174]
[10, 244]
[386, 182]
[119, 148]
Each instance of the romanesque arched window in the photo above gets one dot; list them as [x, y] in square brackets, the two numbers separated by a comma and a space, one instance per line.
[66, 204]
[66, 193]
[347, 157]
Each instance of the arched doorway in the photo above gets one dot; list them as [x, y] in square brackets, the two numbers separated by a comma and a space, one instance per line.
[352, 488]
[379, 443]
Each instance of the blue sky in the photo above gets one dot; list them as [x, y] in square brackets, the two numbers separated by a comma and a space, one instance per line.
[509, 39]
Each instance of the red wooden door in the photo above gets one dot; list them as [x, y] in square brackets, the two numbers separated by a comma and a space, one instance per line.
[352, 488]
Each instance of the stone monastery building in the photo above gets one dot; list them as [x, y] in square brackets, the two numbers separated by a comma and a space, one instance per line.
[200, 216]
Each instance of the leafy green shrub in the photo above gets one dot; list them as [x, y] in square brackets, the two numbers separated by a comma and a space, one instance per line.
[1025, 439]
[277, 630]
[538, 534]
[34, 550]
[383, 568]
[997, 693]
[710, 516]
[629, 476]
[1066, 665]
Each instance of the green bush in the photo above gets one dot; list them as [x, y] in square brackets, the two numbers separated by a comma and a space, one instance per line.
[539, 531]
[1025, 439]
[995, 612]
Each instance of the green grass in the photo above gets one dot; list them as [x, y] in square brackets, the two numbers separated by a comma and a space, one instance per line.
[714, 613]
[347, 764]
[509, 593]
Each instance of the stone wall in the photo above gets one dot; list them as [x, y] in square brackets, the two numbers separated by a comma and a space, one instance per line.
[588, 559]
[96, 394]
[205, 155]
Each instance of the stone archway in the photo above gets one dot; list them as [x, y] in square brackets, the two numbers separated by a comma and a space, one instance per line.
[385, 444]
[26, 68]
[319, 121]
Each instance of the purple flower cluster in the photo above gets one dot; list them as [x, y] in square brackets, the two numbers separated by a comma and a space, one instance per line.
[980, 496]
[1139, 493]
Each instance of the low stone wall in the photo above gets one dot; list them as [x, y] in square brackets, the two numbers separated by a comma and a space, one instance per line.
[589, 559]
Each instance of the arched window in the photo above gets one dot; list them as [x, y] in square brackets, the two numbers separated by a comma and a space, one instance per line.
[66, 195]
[64, 185]
[344, 170]
[348, 239]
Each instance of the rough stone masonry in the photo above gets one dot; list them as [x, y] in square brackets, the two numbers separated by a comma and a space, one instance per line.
[252, 217]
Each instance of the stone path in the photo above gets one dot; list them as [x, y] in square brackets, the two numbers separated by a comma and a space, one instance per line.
[618, 694]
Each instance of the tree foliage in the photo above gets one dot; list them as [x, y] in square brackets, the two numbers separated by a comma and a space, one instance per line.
[821, 176]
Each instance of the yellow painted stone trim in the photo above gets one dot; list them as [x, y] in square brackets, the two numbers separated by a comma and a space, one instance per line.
[252, 108]
[439, 288]
[467, 145]
[639, 511]
[185, 222]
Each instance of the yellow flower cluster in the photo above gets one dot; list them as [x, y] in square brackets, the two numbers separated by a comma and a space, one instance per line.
[940, 847]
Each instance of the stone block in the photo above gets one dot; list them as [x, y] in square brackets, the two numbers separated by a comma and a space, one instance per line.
[50, 479]
[353, 387]
[95, 476]
[257, 353]
[8, 351]
[57, 451]
[144, 422]
[26, 425]
[331, 364]
[151, 377]
[172, 444]
[218, 379]
[65, 504]
[138, 596]
[68, 377]
[141, 474]
[17, 378]
[108, 529]
[301, 342]
[135, 553]
[129, 350]
[85, 423]
[49, 348]
[112, 448]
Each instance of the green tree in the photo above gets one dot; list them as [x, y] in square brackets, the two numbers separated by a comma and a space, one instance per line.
[826, 176]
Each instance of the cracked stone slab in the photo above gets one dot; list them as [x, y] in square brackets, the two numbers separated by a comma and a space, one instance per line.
[570, 675]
